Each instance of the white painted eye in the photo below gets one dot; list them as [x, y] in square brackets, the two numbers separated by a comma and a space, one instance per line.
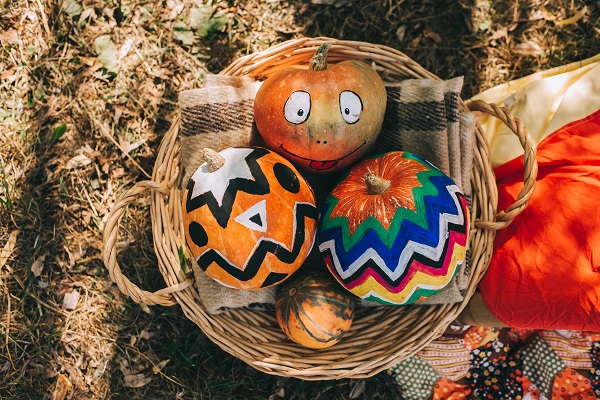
[297, 107]
[350, 106]
[255, 217]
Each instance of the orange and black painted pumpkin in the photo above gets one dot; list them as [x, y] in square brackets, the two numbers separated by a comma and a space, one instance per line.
[249, 217]
[322, 119]
[314, 310]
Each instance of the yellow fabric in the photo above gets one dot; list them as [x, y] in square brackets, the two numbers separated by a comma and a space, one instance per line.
[544, 102]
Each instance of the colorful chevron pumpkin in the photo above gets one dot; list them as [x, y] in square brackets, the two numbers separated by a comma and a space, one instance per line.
[395, 229]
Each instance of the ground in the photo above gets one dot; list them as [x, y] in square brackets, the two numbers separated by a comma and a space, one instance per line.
[88, 89]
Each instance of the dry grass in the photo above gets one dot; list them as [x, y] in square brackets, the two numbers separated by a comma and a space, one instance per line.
[76, 131]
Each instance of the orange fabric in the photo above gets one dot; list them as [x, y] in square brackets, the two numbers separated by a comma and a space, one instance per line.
[544, 273]
[445, 389]
[571, 385]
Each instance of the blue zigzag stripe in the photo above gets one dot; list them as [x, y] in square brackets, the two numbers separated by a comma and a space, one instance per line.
[444, 203]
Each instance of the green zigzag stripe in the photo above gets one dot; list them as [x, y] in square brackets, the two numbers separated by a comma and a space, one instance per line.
[372, 223]
[412, 299]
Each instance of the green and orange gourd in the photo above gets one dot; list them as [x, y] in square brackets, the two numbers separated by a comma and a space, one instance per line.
[314, 310]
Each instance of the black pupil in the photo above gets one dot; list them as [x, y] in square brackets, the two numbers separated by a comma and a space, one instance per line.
[347, 111]
[300, 112]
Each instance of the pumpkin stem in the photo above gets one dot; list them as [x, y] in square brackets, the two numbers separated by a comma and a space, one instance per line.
[292, 291]
[376, 184]
[213, 159]
[318, 62]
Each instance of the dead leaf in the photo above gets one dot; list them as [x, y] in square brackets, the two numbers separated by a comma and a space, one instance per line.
[144, 334]
[80, 160]
[38, 265]
[137, 380]
[72, 7]
[9, 37]
[575, 18]
[63, 385]
[107, 53]
[89, 61]
[8, 74]
[87, 13]
[71, 299]
[499, 34]
[175, 7]
[125, 48]
[128, 147]
[547, 15]
[536, 15]
[117, 172]
[279, 393]
[8, 249]
[159, 367]
[528, 49]
[5, 367]
[401, 33]
[430, 34]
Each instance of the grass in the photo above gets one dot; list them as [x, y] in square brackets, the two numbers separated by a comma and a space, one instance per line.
[76, 133]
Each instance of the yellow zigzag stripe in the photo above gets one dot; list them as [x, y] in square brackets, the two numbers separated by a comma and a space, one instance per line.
[420, 281]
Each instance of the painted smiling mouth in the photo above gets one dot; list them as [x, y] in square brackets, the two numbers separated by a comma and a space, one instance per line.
[322, 164]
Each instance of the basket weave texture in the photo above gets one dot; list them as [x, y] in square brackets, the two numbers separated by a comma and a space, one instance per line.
[380, 336]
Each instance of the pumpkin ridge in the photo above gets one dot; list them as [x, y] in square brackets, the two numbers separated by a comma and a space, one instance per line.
[319, 328]
[318, 298]
[285, 305]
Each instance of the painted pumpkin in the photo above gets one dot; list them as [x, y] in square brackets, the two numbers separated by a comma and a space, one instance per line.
[322, 119]
[395, 229]
[249, 217]
[314, 310]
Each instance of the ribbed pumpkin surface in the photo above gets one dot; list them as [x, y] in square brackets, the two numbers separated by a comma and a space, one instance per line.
[314, 310]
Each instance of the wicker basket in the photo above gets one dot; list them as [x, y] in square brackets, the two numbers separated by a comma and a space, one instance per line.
[381, 336]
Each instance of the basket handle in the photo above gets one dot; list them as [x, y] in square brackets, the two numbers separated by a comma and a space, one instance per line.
[504, 218]
[162, 297]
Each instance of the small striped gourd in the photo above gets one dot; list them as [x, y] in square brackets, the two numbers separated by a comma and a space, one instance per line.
[314, 310]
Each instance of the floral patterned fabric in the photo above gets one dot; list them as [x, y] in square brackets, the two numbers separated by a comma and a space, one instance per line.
[491, 363]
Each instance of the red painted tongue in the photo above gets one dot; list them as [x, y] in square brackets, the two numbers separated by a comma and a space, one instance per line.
[319, 165]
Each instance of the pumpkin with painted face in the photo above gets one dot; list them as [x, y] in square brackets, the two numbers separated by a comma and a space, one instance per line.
[249, 217]
[323, 119]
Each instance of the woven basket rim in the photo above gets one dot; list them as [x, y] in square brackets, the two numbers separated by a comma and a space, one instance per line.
[381, 336]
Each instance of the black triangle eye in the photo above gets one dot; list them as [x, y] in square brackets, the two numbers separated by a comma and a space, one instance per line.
[255, 217]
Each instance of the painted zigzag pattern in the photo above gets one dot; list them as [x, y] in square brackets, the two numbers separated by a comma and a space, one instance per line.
[434, 254]
[264, 247]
